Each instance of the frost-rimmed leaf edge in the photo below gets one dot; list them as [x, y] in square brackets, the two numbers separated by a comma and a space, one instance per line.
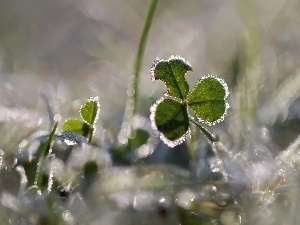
[91, 99]
[168, 142]
[227, 106]
[162, 59]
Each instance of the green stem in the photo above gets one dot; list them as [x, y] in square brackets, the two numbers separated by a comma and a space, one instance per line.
[91, 134]
[131, 104]
[191, 143]
[45, 150]
[140, 52]
[219, 149]
[212, 138]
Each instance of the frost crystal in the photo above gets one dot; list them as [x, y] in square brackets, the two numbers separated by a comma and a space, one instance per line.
[158, 60]
[178, 57]
[154, 64]
[176, 142]
[152, 113]
[95, 100]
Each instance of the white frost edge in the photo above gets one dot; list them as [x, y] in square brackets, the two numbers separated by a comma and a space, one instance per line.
[227, 106]
[92, 99]
[172, 57]
[168, 142]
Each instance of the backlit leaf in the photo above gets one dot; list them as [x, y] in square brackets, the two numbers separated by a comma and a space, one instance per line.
[172, 72]
[89, 111]
[76, 126]
[171, 119]
[208, 99]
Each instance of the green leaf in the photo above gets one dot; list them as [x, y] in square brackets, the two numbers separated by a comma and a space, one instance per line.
[76, 126]
[171, 119]
[89, 112]
[208, 99]
[172, 73]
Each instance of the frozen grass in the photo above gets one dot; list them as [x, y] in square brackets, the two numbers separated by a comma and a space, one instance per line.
[250, 177]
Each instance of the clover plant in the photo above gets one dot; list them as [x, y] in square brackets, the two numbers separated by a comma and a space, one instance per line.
[170, 114]
[85, 126]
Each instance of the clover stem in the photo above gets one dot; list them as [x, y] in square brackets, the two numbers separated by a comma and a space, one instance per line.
[91, 134]
[212, 138]
[192, 145]
[132, 101]
[219, 149]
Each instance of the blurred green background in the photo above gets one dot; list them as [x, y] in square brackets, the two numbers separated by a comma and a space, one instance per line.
[87, 48]
[67, 50]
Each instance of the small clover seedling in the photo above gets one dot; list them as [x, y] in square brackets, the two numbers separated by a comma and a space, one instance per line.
[85, 126]
[169, 115]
